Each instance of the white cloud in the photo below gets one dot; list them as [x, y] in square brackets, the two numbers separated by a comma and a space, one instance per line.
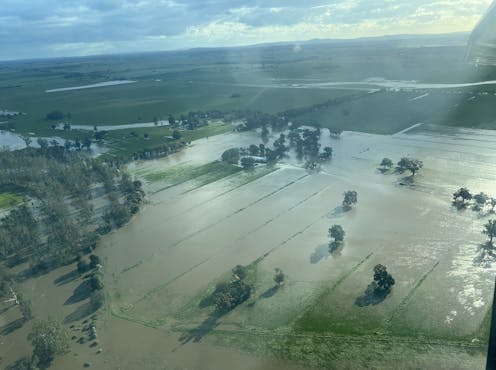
[77, 27]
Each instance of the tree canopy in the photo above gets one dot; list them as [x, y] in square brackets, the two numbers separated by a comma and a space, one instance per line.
[49, 338]
[410, 164]
[383, 281]
[350, 198]
[337, 233]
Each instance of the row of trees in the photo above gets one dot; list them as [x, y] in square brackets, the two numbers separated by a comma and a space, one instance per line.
[59, 184]
[412, 165]
[462, 198]
[304, 142]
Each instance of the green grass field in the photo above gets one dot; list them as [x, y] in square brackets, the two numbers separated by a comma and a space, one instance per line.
[8, 200]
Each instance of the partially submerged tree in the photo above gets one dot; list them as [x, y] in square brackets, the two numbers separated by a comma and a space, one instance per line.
[326, 154]
[176, 135]
[461, 197]
[480, 201]
[490, 231]
[231, 156]
[386, 164]
[279, 277]
[350, 198]
[239, 272]
[410, 164]
[492, 204]
[383, 281]
[337, 233]
[233, 295]
[49, 338]
[248, 163]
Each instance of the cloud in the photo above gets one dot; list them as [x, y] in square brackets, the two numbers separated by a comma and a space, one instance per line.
[41, 28]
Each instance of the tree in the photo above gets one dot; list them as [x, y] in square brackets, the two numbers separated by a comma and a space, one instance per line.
[231, 156]
[386, 164]
[409, 164]
[337, 233]
[83, 266]
[96, 281]
[461, 197]
[480, 201]
[87, 143]
[265, 134]
[247, 163]
[254, 150]
[231, 295]
[54, 115]
[383, 281]
[27, 140]
[350, 198]
[490, 230]
[326, 154]
[176, 135]
[279, 277]
[49, 338]
[492, 203]
[94, 261]
[43, 143]
[239, 272]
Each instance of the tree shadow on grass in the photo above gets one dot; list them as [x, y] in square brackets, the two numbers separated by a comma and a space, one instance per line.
[320, 253]
[196, 334]
[67, 278]
[80, 313]
[12, 326]
[370, 297]
[81, 292]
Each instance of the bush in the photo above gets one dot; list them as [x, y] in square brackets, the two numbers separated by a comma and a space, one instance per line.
[96, 281]
[231, 156]
[94, 261]
[49, 338]
[54, 115]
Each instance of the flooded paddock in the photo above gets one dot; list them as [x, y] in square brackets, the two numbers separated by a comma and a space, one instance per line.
[190, 235]
[188, 238]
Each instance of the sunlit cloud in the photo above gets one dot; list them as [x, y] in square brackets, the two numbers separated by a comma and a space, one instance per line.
[46, 28]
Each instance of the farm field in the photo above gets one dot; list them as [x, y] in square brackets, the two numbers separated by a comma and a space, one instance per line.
[161, 266]
[201, 217]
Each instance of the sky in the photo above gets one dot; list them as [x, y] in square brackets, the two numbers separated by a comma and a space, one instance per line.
[55, 28]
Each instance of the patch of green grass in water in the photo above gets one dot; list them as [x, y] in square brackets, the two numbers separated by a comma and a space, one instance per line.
[208, 172]
[8, 200]
[193, 309]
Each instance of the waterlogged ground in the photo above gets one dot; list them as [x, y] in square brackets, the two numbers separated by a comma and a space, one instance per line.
[194, 231]
[203, 219]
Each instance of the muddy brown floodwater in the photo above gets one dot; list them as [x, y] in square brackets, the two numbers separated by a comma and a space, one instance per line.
[188, 237]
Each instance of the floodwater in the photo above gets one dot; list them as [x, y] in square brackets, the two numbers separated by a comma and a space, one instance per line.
[101, 84]
[13, 141]
[115, 127]
[188, 237]
[370, 84]
[390, 84]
